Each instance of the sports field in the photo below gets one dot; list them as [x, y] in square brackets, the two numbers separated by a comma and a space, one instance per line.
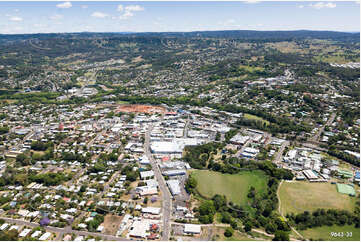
[344, 233]
[300, 196]
[346, 189]
[235, 187]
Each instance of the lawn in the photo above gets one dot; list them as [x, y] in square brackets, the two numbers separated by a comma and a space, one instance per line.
[298, 197]
[251, 68]
[235, 187]
[350, 233]
[253, 117]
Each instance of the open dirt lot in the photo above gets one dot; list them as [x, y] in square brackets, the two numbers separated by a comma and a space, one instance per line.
[136, 108]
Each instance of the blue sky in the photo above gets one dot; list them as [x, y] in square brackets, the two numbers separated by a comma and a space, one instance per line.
[121, 16]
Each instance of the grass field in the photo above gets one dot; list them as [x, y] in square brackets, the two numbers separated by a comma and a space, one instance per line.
[324, 233]
[253, 117]
[298, 197]
[234, 187]
[251, 68]
[122, 102]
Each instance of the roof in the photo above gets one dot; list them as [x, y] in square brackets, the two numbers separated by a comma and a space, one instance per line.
[165, 147]
[151, 210]
[192, 228]
[174, 187]
[145, 174]
[139, 229]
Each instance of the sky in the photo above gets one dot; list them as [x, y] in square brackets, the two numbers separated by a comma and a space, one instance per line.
[139, 16]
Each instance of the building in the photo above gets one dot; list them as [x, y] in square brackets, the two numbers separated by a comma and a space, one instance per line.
[345, 173]
[139, 229]
[151, 210]
[239, 139]
[192, 229]
[174, 187]
[146, 174]
[166, 148]
[310, 174]
[250, 152]
[174, 172]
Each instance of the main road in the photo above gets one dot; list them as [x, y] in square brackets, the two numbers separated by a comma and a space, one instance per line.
[316, 137]
[279, 154]
[166, 197]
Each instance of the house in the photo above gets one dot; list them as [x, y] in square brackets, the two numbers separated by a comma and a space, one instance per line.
[151, 210]
[100, 228]
[24, 233]
[15, 227]
[36, 234]
[4, 226]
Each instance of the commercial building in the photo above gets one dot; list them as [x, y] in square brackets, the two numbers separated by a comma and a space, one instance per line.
[310, 174]
[174, 187]
[166, 148]
[174, 172]
[192, 229]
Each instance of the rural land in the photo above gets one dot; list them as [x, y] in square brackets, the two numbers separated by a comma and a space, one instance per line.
[208, 135]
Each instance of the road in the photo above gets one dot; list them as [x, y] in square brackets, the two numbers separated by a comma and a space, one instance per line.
[185, 131]
[90, 143]
[66, 230]
[240, 151]
[316, 137]
[166, 197]
[312, 146]
[278, 156]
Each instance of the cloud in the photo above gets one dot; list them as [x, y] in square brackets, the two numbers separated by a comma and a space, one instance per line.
[300, 6]
[64, 5]
[252, 1]
[120, 8]
[84, 6]
[127, 11]
[56, 17]
[99, 15]
[134, 8]
[320, 5]
[16, 19]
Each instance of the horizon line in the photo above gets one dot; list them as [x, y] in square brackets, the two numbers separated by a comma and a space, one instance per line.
[193, 31]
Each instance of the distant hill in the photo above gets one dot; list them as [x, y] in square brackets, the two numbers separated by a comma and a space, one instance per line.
[232, 34]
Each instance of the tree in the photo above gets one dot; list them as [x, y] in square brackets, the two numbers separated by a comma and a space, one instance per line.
[82, 188]
[23, 159]
[219, 201]
[281, 236]
[270, 228]
[190, 184]
[228, 232]
[218, 136]
[248, 226]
